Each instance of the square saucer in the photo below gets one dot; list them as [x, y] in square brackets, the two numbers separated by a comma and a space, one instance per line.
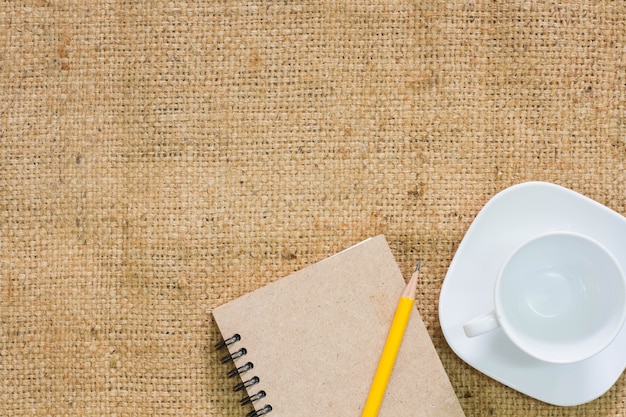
[510, 218]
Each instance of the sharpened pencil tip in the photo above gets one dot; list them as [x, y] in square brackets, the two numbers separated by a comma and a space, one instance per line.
[410, 289]
[419, 264]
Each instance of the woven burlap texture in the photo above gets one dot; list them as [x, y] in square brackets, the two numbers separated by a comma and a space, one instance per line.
[159, 159]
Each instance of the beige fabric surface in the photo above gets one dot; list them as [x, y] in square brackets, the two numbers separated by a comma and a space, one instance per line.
[158, 159]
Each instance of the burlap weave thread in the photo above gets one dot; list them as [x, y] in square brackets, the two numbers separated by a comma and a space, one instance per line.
[158, 159]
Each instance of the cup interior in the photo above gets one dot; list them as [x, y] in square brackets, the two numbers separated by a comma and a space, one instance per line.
[561, 297]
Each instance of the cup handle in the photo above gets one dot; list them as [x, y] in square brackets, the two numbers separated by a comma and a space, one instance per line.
[481, 324]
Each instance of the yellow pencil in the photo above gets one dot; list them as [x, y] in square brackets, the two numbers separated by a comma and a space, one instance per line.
[392, 345]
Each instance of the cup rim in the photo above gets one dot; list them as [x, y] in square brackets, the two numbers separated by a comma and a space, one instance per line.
[511, 332]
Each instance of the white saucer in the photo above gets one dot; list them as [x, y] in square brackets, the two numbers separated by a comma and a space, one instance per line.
[508, 219]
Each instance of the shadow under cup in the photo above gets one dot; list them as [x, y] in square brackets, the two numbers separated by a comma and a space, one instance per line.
[561, 297]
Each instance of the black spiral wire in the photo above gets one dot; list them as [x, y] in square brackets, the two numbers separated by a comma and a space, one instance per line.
[247, 383]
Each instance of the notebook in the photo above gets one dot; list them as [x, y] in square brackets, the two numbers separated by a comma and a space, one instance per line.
[314, 338]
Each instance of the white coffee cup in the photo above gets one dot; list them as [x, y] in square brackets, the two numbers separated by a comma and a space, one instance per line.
[560, 297]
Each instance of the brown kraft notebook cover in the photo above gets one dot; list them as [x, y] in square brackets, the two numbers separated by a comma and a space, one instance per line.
[315, 337]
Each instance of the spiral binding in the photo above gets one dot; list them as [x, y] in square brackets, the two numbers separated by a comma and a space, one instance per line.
[245, 384]
[260, 412]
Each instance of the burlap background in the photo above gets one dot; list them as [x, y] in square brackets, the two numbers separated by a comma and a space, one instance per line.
[160, 159]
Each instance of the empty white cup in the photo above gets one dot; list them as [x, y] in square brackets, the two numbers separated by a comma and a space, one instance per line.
[560, 297]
